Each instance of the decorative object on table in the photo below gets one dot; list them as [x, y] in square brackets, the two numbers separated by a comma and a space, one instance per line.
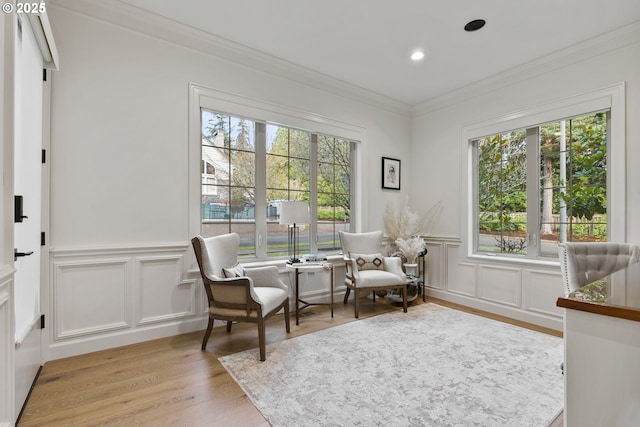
[405, 232]
[432, 366]
[390, 173]
[314, 257]
[411, 248]
[408, 223]
[294, 214]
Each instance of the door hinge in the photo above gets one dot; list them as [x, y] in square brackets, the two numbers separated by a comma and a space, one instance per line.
[42, 238]
[44, 74]
[42, 321]
[44, 156]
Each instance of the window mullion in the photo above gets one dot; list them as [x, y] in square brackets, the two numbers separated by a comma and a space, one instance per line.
[313, 194]
[261, 190]
[533, 192]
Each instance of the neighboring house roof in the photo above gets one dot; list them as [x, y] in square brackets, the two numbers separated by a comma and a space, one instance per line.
[213, 152]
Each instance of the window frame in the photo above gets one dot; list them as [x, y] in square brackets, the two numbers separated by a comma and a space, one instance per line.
[262, 112]
[610, 98]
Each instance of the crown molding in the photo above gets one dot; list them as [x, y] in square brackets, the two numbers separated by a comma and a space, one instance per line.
[603, 44]
[124, 15]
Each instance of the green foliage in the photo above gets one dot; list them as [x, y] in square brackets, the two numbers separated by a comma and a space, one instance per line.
[331, 214]
[502, 167]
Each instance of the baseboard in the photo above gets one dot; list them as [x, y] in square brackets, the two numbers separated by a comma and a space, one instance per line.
[86, 344]
[510, 312]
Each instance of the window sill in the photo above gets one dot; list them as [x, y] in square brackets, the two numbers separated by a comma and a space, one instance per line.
[524, 262]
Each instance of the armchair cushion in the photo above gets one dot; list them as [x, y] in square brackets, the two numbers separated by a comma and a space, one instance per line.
[394, 265]
[233, 271]
[378, 278]
[270, 298]
[368, 261]
[266, 276]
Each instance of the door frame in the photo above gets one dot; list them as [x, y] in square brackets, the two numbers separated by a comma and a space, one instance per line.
[44, 35]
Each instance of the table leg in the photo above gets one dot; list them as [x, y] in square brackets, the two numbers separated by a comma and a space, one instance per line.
[297, 298]
[332, 286]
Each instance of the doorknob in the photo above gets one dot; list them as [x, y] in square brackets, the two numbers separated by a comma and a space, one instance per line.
[17, 254]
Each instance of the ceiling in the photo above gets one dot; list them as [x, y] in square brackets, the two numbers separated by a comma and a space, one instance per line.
[367, 43]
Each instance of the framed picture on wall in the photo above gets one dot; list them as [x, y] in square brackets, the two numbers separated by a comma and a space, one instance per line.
[390, 173]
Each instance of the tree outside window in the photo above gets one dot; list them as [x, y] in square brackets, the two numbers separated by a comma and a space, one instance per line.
[297, 165]
[569, 202]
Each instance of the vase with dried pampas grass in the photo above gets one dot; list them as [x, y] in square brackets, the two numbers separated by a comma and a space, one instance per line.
[407, 229]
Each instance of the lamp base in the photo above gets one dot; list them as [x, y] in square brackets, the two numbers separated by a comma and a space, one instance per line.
[293, 261]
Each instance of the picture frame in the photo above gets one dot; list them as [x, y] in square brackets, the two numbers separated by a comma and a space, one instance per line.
[390, 173]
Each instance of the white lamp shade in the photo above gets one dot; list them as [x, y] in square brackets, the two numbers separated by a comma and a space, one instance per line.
[294, 212]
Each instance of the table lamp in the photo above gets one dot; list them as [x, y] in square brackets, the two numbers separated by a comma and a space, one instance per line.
[293, 214]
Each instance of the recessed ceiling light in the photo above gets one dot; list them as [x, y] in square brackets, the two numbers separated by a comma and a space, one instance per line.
[417, 55]
[474, 25]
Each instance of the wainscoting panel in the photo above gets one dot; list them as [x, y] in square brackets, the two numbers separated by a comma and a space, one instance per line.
[524, 292]
[163, 293]
[108, 297]
[434, 262]
[500, 284]
[461, 277]
[7, 340]
[541, 289]
[91, 297]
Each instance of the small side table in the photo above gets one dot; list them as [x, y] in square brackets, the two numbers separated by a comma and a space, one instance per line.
[306, 267]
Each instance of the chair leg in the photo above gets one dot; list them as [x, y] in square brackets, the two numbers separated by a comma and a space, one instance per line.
[346, 295]
[404, 297]
[207, 333]
[229, 323]
[286, 316]
[356, 298]
[261, 339]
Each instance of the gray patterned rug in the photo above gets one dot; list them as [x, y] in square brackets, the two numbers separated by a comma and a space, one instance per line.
[432, 366]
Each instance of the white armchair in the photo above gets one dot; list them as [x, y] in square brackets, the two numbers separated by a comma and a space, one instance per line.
[235, 293]
[583, 263]
[367, 269]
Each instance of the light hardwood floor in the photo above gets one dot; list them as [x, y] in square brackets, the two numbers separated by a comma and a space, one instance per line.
[171, 382]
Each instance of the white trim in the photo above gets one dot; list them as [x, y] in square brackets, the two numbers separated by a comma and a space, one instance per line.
[610, 97]
[533, 317]
[6, 272]
[136, 19]
[257, 109]
[279, 114]
[601, 45]
[20, 339]
[90, 343]
[44, 36]
[117, 250]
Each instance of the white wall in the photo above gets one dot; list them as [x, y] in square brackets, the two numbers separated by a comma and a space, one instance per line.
[119, 176]
[521, 291]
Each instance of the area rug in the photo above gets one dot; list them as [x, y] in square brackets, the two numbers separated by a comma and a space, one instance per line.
[432, 366]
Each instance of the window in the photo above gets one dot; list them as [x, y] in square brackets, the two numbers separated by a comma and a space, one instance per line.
[334, 190]
[228, 186]
[288, 178]
[241, 189]
[540, 185]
